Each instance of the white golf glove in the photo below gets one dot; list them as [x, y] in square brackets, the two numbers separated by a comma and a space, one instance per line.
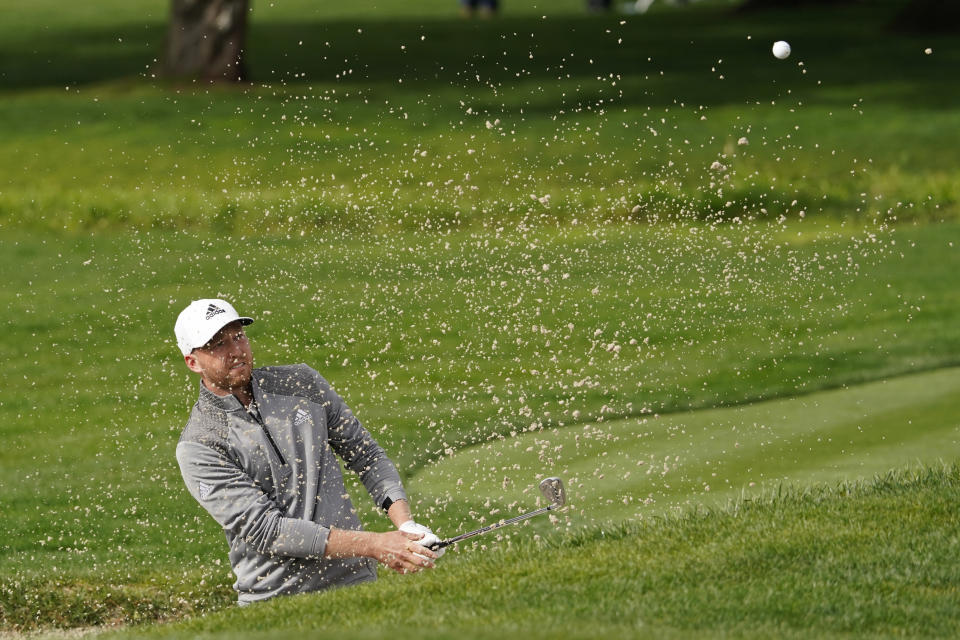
[429, 537]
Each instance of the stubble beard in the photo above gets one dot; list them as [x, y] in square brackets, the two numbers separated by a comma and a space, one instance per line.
[233, 379]
[238, 378]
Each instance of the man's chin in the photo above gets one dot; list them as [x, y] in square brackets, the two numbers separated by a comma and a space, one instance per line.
[239, 377]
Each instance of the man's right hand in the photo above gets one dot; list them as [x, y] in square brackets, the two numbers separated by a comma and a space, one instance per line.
[397, 550]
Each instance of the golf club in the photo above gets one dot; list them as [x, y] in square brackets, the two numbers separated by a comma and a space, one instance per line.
[552, 490]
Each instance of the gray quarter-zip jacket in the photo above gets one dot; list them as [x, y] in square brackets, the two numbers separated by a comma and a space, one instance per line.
[272, 481]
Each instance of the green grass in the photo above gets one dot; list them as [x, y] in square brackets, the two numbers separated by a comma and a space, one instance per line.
[377, 198]
[871, 559]
[425, 121]
[647, 467]
[438, 342]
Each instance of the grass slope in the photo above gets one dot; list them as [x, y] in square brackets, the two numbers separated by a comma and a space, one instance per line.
[872, 559]
[438, 342]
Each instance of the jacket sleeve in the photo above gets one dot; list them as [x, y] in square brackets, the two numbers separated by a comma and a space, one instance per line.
[361, 453]
[241, 507]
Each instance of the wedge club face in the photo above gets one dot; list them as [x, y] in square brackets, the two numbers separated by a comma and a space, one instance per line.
[552, 490]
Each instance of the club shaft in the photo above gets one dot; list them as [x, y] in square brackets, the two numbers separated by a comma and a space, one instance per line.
[496, 525]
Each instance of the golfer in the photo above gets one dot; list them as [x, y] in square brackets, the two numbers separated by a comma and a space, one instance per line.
[258, 454]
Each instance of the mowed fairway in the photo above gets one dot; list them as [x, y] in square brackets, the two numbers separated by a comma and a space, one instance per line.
[402, 116]
[652, 466]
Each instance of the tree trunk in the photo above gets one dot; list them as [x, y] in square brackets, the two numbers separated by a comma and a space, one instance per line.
[206, 39]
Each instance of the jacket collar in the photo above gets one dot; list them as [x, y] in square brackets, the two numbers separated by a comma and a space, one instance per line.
[228, 403]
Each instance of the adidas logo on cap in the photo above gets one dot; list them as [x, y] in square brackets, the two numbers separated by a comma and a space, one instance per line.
[213, 310]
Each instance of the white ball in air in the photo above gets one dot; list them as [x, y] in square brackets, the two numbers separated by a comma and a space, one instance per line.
[781, 49]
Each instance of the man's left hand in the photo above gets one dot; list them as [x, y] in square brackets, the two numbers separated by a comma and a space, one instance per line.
[429, 537]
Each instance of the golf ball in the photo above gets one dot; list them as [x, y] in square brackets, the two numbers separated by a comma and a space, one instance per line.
[781, 49]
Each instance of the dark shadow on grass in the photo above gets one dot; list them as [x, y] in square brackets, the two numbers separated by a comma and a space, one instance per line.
[705, 57]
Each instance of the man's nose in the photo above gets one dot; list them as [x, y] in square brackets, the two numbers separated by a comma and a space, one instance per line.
[236, 349]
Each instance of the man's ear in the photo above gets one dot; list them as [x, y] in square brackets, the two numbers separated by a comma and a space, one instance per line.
[192, 363]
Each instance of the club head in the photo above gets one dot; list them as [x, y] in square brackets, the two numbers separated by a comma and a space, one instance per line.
[552, 490]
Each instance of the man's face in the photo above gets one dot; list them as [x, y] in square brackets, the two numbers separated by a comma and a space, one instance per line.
[226, 361]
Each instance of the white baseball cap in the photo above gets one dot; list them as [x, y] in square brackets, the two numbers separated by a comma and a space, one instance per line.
[201, 320]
